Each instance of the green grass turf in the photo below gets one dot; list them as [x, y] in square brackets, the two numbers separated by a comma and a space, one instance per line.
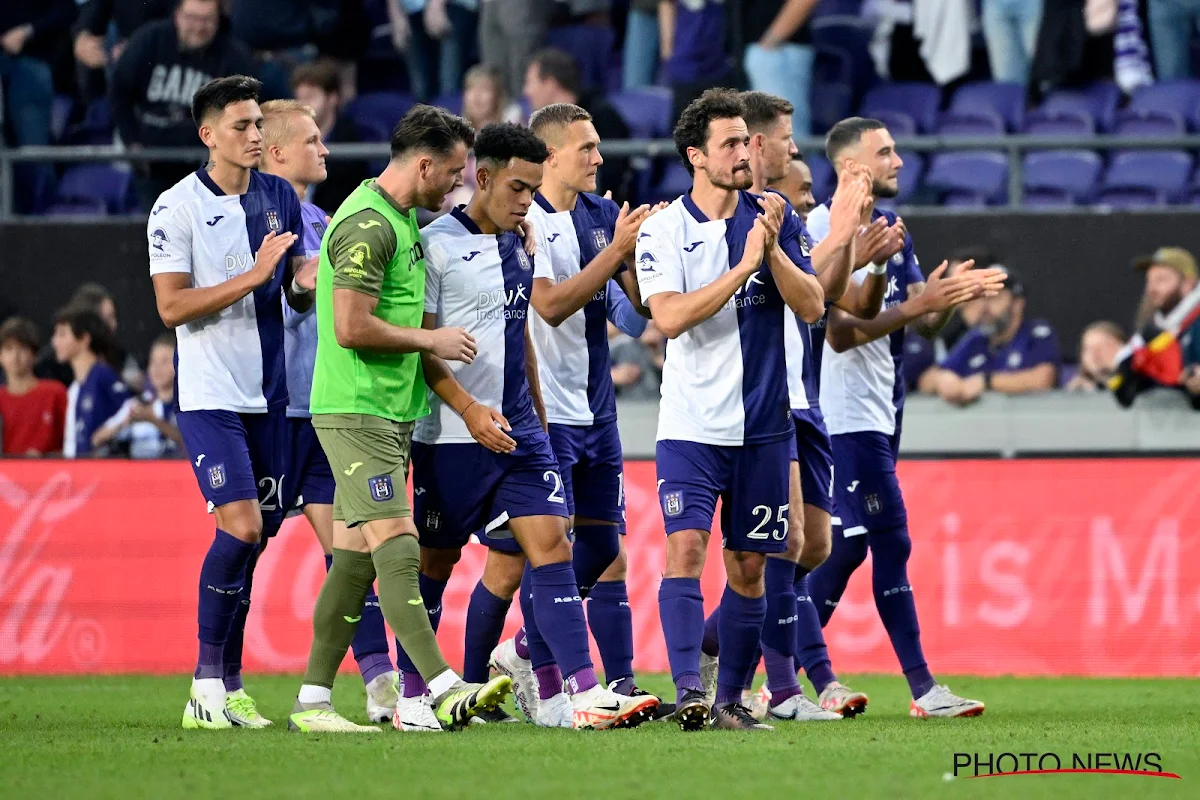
[120, 737]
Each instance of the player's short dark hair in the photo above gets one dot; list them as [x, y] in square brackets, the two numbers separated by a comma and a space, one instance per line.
[692, 128]
[19, 330]
[82, 320]
[847, 133]
[559, 66]
[501, 142]
[322, 73]
[432, 130]
[762, 111]
[214, 96]
[556, 117]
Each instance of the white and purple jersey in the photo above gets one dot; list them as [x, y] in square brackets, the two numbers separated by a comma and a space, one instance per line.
[233, 359]
[480, 283]
[862, 389]
[91, 404]
[724, 380]
[798, 338]
[300, 327]
[573, 359]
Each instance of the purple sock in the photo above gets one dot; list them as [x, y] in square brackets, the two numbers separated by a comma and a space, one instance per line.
[779, 630]
[231, 669]
[681, 609]
[431, 595]
[549, 681]
[414, 684]
[595, 549]
[521, 643]
[221, 578]
[710, 645]
[897, 610]
[485, 626]
[811, 653]
[739, 630]
[370, 645]
[539, 651]
[611, 622]
[560, 619]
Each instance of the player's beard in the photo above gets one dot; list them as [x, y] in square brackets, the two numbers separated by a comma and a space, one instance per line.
[885, 190]
[740, 179]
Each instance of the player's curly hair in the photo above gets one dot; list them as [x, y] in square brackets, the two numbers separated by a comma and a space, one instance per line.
[214, 96]
[692, 128]
[501, 142]
[430, 129]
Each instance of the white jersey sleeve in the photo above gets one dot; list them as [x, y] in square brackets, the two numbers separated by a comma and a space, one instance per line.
[435, 265]
[169, 237]
[543, 262]
[659, 261]
[818, 223]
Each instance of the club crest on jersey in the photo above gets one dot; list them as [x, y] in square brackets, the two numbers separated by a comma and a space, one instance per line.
[216, 476]
[673, 504]
[804, 250]
[433, 520]
[600, 238]
[523, 260]
[872, 504]
[318, 228]
[898, 259]
[381, 488]
[273, 220]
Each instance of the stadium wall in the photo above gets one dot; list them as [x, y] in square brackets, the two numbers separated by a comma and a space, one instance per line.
[1033, 567]
[1076, 264]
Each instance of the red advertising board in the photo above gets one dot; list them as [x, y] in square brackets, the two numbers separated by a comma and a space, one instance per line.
[1036, 567]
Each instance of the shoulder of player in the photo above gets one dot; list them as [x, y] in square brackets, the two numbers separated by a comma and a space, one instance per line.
[313, 209]
[175, 204]
[665, 223]
[266, 182]
[365, 225]
[599, 205]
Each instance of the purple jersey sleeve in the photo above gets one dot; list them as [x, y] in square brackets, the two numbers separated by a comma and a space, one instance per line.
[964, 354]
[609, 211]
[293, 220]
[910, 261]
[1043, 346]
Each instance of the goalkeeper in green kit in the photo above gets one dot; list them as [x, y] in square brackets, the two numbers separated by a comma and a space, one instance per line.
[368, 389]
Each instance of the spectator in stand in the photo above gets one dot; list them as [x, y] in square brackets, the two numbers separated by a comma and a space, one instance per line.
[440, 39]
[779, 53]
[484, 102]
[29, 33]
[33, 412]
[639, 59]
[155, 78]
[921, 355]
[145, 426]
[1098, 349]
[82, 340]
[99, 299]
[634, 373]
[318, 85]
[1010, 28]
[510, 31]
[1004, 353]
[691, 35]
[553, 77]
[1172, 24]
[103, 29]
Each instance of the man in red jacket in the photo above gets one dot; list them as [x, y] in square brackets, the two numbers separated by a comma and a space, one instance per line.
[32, 411]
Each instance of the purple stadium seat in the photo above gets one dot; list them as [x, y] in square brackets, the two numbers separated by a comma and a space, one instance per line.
[832, 95]
[919, 100]
[898, 123]
[971, 123]
[78, 209]
[646, 111]
[823, 178]
[451, 102]
[675, 182]
[1141, 122]
[963, 199]
[1129, 198]
[1059, 123]
[1061, 177]
[379, 111]
[91, 183]
[96, 126]
[1006, 100]
[909, 176]
[60, 114]
[592, 47]
[1099, 100]
[983, 174]
[1178, 97]
[1159, 175]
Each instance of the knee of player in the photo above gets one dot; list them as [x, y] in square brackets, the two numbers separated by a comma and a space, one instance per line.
[618, 569]
[814, 553]
[685, 554]
[439, 563]
[893, 545]
[502, 573]
[745, 571]
[854, 551]
[242, 521]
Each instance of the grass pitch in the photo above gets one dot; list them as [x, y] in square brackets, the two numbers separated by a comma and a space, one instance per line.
[120, 737]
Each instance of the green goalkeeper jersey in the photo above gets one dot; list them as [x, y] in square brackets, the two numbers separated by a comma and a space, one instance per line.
[372, 246]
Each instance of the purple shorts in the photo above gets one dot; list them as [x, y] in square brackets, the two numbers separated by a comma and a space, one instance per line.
[812, 450]
[867, 491]
[238, 457]
[751, 480]
[590, 460]
[308, 478]
[460, 489]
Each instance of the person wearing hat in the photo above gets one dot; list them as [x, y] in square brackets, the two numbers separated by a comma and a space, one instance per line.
[1171, 276]
[1004, 352]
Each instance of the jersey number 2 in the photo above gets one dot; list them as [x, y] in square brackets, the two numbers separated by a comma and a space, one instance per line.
[781, 518]
[556, 494]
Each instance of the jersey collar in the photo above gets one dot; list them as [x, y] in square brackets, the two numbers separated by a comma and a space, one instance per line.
[460, 214]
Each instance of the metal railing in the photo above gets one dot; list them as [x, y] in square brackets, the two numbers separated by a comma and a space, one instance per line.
[1014, 147]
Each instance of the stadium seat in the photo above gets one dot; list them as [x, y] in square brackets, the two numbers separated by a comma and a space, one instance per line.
[1099, 100]
[377, 112]
[982, 174]
[60, 115]
[96, 127]
[1060, 177]
[832, 94]
[646, 111]
[910, 176]
[591, 46]
[675, 181]
[96, 183]
[1158, 177]
[77, 209]
[822, 174]
[1177, 97]
[898, 123]
[451, 102]
[971, 123]
[1141, 122]
[1059, 122]
[918, 100]
[1005, 100]
[851, 34]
